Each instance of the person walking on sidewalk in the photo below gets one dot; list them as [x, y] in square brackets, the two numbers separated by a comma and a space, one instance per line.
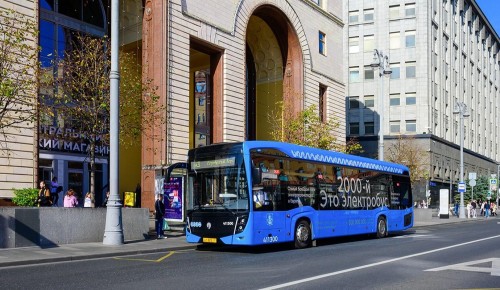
[487, 209]
[474, 205]
[159, 214]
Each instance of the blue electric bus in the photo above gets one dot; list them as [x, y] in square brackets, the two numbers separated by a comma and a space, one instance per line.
[262, 192]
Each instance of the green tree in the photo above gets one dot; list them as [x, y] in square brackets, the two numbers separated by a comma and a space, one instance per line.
[18, 71]
[405, 150]
[25, 196]
[306, 128]
[480, 190]
[82, 95]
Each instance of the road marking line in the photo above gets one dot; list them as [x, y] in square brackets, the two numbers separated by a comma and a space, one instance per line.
[146, 260]
[284, 285]
[469, 266]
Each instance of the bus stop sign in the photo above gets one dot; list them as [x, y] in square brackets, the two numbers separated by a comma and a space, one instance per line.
[461, 187]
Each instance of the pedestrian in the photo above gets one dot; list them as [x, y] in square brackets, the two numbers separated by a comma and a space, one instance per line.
[70, 199]
[487, 209]
[89, 200]
[474, 205]
[469, 209]
[54, 186]
[159, 215]
[44, 195]
[456, 208]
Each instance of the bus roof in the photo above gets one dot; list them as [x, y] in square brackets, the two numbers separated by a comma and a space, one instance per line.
[332, 157]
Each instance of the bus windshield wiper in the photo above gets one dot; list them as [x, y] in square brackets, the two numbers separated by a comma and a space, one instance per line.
[225, 207]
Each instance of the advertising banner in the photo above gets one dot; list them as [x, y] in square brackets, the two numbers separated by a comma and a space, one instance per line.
[172, 190]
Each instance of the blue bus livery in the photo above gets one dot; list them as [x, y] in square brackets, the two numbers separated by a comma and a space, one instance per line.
[261, 192]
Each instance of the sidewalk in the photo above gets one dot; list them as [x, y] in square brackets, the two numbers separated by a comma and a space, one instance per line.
[175, 241]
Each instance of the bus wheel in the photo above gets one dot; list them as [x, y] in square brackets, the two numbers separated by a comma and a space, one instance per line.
[302, 235]
[381, 227]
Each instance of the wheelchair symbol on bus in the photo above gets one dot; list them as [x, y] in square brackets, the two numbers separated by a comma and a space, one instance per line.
[269, 219]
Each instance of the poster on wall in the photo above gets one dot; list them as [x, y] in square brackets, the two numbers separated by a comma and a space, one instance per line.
[172, 195]
[202, 108]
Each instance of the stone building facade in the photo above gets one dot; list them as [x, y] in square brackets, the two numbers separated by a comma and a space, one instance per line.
[222, 67]
[441, 53]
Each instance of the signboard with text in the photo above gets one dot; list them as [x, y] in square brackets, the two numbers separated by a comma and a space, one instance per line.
[172, 194]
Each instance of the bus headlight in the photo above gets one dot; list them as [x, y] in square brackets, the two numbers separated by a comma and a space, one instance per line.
[241, 223]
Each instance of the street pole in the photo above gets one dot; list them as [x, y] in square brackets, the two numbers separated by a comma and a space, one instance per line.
[381, 62]
[461, 109]
[498, 179]
[113, 232]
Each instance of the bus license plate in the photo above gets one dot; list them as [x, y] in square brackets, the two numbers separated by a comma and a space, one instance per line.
[210, 240]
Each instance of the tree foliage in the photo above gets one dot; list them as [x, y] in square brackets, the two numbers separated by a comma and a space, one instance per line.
[306, 128]
[139, 102]
[405, 150]
[481, 190]
[25, 196]
[18, 70]
[82, 95]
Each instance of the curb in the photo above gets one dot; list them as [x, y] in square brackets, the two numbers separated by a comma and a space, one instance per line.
[93, 256]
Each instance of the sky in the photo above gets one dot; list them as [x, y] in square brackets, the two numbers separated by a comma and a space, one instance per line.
[491, 9]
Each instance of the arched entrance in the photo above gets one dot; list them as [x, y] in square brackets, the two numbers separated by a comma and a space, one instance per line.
[274, 71]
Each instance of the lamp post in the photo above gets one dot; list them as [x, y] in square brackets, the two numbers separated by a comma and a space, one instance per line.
[461, 108]
[498, 178]
[113, 231]
[381, 61]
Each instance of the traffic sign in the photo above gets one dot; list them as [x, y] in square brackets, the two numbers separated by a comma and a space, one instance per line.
[493, 184]
[472, 175]
[461, 187]
[472, 182]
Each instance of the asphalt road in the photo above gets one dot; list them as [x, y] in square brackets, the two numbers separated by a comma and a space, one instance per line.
[451, 256]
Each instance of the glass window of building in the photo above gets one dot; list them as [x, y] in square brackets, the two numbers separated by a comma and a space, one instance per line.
[317, 2]
[368, 14]
[411, 99]
[410, 38]
[369, 128]
[354, 74]
[411, 126]
[394, 40]
[394, 100]
[369, 101]
[353, 102]
[394, 12]
[322, 43]
[353, 44]
[410, 9]
[395, 126]
[395, 67]
[353, 16]
[354, 128]
[322, 103]
[411, 69]
[369, 73]
[368, 43]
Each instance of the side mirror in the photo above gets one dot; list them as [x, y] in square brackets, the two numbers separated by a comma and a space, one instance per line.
[256, 176]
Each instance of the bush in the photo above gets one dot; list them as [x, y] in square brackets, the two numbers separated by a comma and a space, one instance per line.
[25, 196]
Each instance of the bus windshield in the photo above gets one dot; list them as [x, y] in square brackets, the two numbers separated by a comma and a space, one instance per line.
[218, 183]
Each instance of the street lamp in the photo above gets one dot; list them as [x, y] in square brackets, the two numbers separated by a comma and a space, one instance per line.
[498, 178]
[113, 231]
[461, 108]
[381, 62]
